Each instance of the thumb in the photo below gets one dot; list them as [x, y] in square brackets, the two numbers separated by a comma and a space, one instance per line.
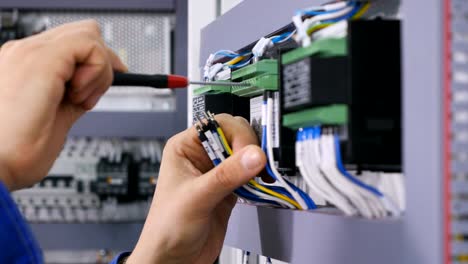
[232, 173]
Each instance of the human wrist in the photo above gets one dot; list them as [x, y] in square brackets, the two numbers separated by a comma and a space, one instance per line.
[147, 252]
[5, 177]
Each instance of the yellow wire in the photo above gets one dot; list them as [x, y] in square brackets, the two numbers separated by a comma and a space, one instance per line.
[362, 11]
[275, 194]
[235, 60]
[224, 141]
[359, 14]
[317, 27]
[254, 183]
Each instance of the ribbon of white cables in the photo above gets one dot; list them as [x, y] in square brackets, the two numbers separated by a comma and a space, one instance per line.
[269, 142]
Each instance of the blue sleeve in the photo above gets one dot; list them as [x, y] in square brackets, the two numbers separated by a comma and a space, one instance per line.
[17, 242]
[120, 257]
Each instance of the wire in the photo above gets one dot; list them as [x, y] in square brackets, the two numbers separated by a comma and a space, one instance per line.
[224, 141]
[363, 10]
[317, 28]
[274, 194]
[283, 37]
[235, 60]
[215, 148]
[342, 169]
[269, 114]
[267, 197]
[309, 147]
[241, 64]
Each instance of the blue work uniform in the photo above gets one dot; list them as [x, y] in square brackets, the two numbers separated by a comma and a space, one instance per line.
[17, 243]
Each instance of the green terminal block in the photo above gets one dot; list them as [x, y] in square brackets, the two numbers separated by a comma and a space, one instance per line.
[260, 68]
[325, 115]
[328, 47]
[259, 84]
[212, 89]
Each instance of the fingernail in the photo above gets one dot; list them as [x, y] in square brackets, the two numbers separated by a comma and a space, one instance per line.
[251, 159]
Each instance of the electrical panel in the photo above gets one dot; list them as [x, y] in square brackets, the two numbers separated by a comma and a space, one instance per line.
[325, 103]
[455, 132]
[95, 180]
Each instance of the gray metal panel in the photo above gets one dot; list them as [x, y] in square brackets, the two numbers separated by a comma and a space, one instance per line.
[119, 237]
[422, 105]
[305, 237]
[156, 5]
[127, 124]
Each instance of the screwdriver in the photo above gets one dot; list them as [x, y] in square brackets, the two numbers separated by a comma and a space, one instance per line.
[161, 81]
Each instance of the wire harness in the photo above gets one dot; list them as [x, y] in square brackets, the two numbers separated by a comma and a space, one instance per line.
[318, 157]
[279, 194]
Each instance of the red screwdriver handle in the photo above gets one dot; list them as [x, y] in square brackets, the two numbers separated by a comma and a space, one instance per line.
[149, 80]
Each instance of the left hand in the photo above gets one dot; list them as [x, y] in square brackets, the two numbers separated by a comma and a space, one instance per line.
[188, 218]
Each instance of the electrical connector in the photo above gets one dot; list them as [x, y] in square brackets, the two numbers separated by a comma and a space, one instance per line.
[262, 45]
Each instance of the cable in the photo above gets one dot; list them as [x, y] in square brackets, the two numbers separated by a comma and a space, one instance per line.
[274, 194]
[314, 175]
[267, 197]
[271, 162]
[213, 130]
[283, 37]
[388, 203]
[235, 60]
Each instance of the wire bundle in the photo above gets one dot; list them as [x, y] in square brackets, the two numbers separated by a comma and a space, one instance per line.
[314, 19]
[283, 195]
[318, 158]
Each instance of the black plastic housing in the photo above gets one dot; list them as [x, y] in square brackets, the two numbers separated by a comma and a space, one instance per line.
[221, 103]
[368, 80]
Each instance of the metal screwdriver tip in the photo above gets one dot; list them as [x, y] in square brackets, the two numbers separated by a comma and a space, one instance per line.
[219, 83]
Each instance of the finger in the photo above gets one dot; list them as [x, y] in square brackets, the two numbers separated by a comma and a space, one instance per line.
[77, 52]
[89, 26]
[115, 61]
[188, 146]
[92, 100]
[240, 135]
[86, 80]
[214, 186]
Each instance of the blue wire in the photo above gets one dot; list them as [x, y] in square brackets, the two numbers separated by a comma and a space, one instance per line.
[308, 200]
[310, 203]
[315, 13]
[341, 168]
[250, 196]
[241, 64]
[345, 17]
[282, 37]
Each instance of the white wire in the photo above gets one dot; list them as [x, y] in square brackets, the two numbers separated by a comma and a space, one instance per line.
[374, 202]
[269, 143]
[268, 197]
[288, 37]
[328, 7]
[328, 166]
[313, 159]
[315, 19]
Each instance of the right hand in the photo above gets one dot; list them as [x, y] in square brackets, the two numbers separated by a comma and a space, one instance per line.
[47, 82]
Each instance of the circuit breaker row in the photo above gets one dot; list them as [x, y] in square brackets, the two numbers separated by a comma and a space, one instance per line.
[95, 180]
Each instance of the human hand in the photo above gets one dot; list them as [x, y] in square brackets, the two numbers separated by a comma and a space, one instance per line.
[188, 218]
[47, 82]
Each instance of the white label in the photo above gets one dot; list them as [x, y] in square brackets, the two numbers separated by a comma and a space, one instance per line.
[208, 150]
[276, 121]
[256, 115]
